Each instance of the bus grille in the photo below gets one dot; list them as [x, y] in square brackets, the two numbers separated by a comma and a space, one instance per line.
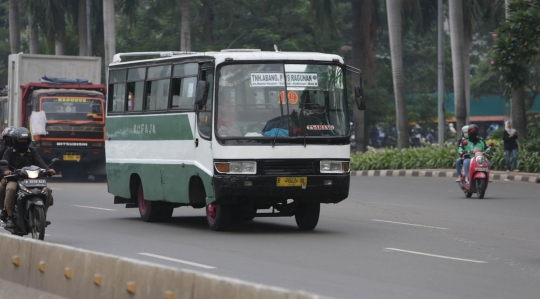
[288, 167]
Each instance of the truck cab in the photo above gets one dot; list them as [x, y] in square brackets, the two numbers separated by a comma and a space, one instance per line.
[68, 124]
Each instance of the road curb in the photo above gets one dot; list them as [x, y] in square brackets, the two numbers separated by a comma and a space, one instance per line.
[442, 174]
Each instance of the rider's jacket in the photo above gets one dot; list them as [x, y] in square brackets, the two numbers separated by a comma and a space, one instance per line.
[471, 146]
[20, 160]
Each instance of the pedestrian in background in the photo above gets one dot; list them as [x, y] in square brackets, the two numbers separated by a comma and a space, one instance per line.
[510, 146]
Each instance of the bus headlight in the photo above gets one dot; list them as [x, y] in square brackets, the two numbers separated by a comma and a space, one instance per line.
[334, 167]
[237, 167]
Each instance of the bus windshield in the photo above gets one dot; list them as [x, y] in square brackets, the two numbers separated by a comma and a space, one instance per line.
[72, 108]
[281, 101]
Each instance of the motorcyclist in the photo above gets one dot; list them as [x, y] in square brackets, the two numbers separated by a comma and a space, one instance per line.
[7, 142]
[459, 161]
[21, 155]
[474, 142]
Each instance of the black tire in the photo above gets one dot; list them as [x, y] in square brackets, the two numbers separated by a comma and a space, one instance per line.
[153, 211]
[468, 194]
[37, 222]
[480, 188]
[307, 215]
[218, 217]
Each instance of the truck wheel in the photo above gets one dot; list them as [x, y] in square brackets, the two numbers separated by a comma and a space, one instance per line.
[153, 211]
[307, 215]
[218, 217]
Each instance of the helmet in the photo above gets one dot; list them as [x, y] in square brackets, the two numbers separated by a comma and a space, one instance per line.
[18, 134]
[6, 136]
[473, 130]
[465, 131]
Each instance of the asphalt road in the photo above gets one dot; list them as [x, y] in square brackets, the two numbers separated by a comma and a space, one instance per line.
[363, 247]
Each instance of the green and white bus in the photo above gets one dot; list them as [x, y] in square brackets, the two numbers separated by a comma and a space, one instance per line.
[241, 133]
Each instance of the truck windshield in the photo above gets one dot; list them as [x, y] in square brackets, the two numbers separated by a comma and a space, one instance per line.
[255, 101]
[72, 108]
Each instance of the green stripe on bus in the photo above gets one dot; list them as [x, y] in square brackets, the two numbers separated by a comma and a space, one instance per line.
[167, 182]
[149, 127]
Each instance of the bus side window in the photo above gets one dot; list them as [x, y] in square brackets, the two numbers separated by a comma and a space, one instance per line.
[184, 85]
[136, 89]
[157, 91]
[117, 91]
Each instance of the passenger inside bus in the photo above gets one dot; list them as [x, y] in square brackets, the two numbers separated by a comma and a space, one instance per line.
[227, 122]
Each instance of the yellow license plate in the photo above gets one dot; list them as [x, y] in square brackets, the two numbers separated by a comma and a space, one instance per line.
[291, 181]
[72, 158]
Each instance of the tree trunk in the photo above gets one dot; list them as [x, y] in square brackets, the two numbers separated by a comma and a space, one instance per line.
[83, 33]
[185, 31]
[33, 39]
[519, 116]
[208, 22]
[266, 7]
[363, 58]
[456, 41]
[393, 9]
[14, 27]
[60, 41]
[109, 32]
[467, 75]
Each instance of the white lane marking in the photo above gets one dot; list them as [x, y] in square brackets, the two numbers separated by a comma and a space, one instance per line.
[176, 260]
[435, 255]
[392, 204]
[93, 208]
[411, 224]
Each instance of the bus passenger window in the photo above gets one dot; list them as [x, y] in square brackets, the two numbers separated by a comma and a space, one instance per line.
[117, 97]
[135, 96]
[205, 114]
[184, 93]
[157, 94]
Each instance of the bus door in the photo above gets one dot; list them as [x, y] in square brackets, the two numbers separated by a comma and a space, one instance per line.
[203, 134]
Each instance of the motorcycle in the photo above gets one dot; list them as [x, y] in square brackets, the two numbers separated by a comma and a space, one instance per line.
[478, 172]
[31, 197]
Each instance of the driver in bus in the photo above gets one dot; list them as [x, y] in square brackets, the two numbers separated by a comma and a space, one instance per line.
[227, 121]
[21, 155]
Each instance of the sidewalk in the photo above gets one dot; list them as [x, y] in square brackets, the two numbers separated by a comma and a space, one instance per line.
[449, 173]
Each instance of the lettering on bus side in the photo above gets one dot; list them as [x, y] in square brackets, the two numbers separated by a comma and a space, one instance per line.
[144, 129]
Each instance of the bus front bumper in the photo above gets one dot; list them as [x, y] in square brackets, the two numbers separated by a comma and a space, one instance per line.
[264, 189]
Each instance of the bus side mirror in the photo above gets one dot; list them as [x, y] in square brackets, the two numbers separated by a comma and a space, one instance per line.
[202, 93]
[359, 97]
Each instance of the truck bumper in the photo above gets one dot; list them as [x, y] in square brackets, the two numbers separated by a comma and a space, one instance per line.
[264, 189]
[89, 158]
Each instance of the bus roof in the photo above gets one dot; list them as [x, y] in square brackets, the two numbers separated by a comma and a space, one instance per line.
[227, 55]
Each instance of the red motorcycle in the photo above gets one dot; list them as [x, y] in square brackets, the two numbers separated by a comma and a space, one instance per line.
[478, 172]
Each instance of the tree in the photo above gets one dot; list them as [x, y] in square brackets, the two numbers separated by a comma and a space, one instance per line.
[456, 41]
[82, 28]
[185, 31]
[14, 27]
[33, 39]
[393, 9]
[517, 45]
[51, 16]
[109, 30]
[364, 14]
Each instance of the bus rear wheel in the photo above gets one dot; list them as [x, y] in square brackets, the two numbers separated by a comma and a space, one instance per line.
[218, 217]
[307, 215]
[152, 211]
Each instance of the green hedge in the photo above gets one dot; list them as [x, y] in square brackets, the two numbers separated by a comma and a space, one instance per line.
[434, 157]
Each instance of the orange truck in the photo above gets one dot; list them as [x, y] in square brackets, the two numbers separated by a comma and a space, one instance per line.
[65, 116]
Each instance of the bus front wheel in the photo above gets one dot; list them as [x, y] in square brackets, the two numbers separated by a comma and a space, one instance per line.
[307, 215]
[218, 217]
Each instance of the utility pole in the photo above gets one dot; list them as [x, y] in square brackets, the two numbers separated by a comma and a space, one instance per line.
[440, 70]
